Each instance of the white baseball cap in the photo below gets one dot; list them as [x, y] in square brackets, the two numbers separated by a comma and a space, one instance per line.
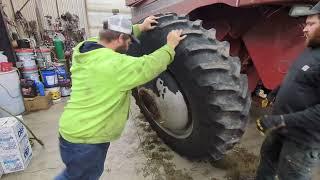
[120, 23]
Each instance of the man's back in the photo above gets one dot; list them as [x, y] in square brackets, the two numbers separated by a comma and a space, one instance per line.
[95, 98]
[102, 82]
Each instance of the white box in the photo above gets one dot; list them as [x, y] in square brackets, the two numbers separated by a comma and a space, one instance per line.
[1, 171]
[25, 149]
[15, 148]
[17, 160]
[11, 130]
[11, 133]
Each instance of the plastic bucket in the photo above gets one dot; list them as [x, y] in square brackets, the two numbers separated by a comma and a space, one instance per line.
[10, 93]
[25, 54]
[49, 78]
[6, 66]
[31, 74]
[29, 65]
[41, 63]
[44, 54]
[65, 87]
[3, 58]
[65, 91]
[26, 57]
[55, 93]
[61, 71]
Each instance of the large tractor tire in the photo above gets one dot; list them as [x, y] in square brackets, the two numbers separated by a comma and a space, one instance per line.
[200, 105]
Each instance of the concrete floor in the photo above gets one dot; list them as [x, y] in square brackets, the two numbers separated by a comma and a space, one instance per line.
[130, 157]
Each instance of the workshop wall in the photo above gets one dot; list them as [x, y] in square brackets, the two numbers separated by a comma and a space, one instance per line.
[48, 8]
[91, 12]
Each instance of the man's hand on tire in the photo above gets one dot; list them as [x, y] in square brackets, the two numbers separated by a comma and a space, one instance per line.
[148, 24]
[269, 123]
[174, 38]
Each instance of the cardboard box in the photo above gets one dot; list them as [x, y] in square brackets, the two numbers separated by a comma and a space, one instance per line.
[26, 149]
[38, 103]
[19, 159]
[14, 162]
[15, 148]
[11, 133]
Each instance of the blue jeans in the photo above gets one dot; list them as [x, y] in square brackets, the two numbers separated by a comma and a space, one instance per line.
[286, 159]
[82, 161]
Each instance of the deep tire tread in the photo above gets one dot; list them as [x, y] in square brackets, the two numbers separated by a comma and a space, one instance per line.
[217, 74]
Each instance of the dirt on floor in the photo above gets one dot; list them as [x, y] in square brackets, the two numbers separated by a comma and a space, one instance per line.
[238, 163]
[140, 155]
[159, 163]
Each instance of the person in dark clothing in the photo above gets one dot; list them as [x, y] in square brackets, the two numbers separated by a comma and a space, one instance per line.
[291, 149]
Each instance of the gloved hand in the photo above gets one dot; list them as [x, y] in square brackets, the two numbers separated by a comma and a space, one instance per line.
[269, 123]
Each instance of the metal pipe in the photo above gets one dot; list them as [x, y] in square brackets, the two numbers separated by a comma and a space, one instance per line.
[57, 9]
[39, 18]
[24, 5]
[87, 18]
[14, 17]
[12, 7]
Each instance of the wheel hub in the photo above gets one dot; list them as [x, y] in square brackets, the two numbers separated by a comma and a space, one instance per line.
[167, 108]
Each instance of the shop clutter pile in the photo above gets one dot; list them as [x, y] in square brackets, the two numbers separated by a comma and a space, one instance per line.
[41, 76]
[35, 82]
[43, 53]
[41, 79]
[33, 85]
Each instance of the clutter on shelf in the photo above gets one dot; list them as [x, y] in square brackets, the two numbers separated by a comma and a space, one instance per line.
[43, 52]
[43, 64]
[42, 75]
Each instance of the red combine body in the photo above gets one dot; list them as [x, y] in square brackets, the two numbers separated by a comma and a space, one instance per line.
[261, 33]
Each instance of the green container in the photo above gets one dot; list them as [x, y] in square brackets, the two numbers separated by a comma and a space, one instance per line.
[58, 46]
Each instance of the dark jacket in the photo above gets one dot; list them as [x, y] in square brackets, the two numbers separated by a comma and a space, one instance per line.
[298, 99]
